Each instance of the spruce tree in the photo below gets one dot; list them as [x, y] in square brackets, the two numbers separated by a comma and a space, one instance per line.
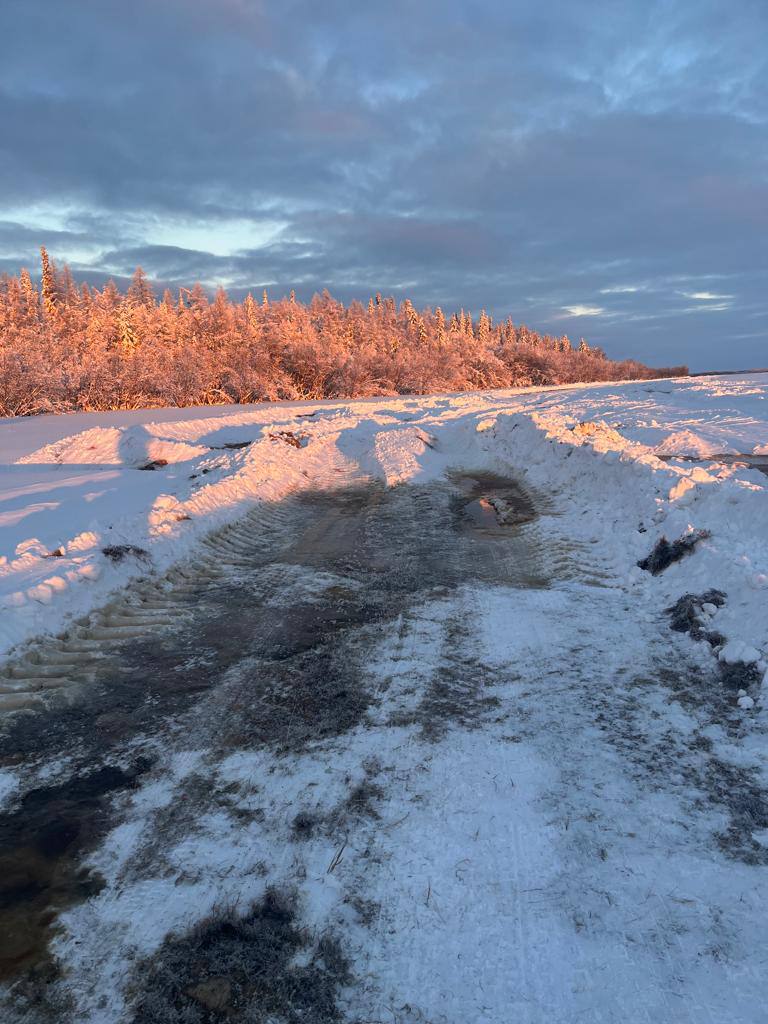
[250, 311]
[50, 297]
[140, 291]
[29, 292]
[126, 332]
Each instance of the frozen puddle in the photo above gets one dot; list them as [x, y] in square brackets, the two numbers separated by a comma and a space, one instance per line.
[376, 755]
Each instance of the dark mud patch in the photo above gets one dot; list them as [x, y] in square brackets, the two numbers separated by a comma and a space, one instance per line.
[732, 788]
[684, 763]
[260, 967]
[686, 615]
[119, 552]
[249, 666]
[302, 676]
[288, 437]
[41, 846]
[289, 704]
[338, 536]
[361, 802]
[126, 699]
[456, 696]
[741, 675]
[665, 552]
[280, 631]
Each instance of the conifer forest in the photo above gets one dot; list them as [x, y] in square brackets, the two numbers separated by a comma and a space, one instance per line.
[66, 346]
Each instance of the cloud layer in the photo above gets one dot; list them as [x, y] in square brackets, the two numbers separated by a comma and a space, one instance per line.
[598, 169]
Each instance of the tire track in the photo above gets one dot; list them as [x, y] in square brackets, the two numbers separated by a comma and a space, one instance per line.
[264, 641]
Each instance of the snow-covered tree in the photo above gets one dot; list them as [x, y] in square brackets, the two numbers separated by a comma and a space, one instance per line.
[49, 288]
[140, 291]
[74, 347]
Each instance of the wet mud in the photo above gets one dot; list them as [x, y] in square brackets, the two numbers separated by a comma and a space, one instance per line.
[272, 651]
[267, 644]
[236, 966]
[41, 845]
[489, 504]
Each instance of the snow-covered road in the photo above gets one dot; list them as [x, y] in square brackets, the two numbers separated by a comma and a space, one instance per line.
[409, 738]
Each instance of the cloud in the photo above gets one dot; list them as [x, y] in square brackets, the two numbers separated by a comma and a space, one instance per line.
[490, 156]
[584, 310]
[705, 296]
[709, 308]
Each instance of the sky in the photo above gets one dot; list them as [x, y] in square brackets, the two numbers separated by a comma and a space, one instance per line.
[591, 168]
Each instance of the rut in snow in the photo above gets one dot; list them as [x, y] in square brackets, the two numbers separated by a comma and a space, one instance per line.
[365, 725]
[479, 506]
[277, 611]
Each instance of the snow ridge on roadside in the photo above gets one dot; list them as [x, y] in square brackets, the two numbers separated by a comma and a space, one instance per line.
[599, 446]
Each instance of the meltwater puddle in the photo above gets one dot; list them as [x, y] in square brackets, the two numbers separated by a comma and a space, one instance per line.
[490, 505]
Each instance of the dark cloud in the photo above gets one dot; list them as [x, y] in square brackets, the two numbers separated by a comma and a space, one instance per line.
[586, 168]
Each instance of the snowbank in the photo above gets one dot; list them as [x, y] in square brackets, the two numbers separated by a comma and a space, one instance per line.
[626, 463]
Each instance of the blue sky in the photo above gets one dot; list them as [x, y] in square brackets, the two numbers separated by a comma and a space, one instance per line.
[591, 168]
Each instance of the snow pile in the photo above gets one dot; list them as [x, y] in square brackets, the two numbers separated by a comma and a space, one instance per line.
[398, 453]
[65, 494]
[127, 446]
[634, 499]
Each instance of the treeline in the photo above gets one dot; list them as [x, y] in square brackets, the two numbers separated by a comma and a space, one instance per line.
[65, 346]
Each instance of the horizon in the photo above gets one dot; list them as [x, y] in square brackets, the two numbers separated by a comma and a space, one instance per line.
[595, 177]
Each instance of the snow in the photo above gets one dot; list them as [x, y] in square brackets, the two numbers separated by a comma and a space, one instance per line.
[73, 483]
[555, 864]
[512, 867]
[9, 784]
[736, 651]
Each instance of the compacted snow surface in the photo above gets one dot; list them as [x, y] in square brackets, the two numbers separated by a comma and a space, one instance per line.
[391, 667]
